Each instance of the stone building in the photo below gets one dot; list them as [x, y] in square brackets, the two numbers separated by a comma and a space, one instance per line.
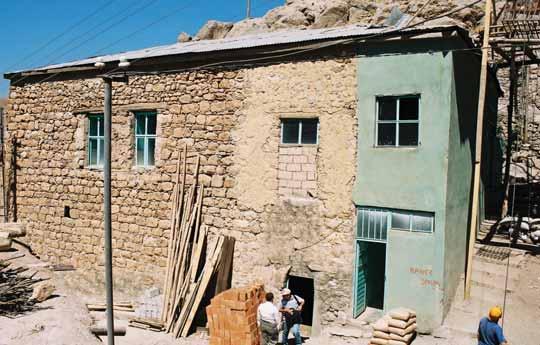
[340, 160]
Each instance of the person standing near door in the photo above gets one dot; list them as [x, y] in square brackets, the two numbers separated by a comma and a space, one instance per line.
[268, 320]
[291, 309]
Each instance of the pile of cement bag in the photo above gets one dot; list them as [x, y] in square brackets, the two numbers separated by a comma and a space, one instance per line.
[398, 327]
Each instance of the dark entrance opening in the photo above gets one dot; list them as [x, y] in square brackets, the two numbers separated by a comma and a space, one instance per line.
[304, 288]
[375, 274]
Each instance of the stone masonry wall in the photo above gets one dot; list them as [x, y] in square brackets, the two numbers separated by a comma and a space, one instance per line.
[231, 118]
[49, 123]
[298, 234]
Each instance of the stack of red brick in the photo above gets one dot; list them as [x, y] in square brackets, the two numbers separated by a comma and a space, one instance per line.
[232, 316]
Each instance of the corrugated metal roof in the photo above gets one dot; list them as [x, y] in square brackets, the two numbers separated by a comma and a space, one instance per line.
[248, 41]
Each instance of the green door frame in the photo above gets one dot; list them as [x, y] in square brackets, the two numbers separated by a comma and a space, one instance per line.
[360, 295]
[359, 299]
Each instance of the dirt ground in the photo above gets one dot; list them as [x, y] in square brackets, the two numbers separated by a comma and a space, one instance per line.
[65, 319]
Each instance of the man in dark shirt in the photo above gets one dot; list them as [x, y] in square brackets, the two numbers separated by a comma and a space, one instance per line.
[489, 331]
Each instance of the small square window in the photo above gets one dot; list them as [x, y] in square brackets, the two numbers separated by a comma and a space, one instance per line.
[145, 138]
[300, 131]
[398, 121]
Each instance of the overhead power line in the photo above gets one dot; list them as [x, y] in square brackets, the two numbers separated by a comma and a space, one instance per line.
[157, 21]
[102, 31]
[255, 60]
[60, 35]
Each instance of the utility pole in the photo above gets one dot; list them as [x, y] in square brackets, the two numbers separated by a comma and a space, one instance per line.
[107, 114]
[248, 12]
[2, 158]
[478, 146]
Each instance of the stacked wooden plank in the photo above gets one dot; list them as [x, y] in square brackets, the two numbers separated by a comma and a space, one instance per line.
[118, 306]
[190, 266]
[398, 327]
[232, 316]
[16, 290]
[147, 324]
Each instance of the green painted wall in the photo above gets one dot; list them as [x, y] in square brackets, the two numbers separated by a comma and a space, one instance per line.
[408, 178]
[460, 159]
[423, 270]
[466, 69]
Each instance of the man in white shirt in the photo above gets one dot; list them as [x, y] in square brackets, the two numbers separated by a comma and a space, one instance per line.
[268, 319]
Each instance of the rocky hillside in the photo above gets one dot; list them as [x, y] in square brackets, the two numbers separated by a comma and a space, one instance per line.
[305, 14]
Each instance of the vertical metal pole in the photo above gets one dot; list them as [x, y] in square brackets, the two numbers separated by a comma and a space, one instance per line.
[248, 13]
[2, 158]
[478, 147]
[107, 209]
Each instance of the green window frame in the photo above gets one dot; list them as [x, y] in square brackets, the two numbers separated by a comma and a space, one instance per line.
[398, 121]
[145, 138]
[373, 224]
[413, 221]
[96, 140]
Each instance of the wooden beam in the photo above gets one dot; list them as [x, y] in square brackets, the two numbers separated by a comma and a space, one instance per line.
[530, 53]
[515, 40]
[102, 331]
[502, 53]
[478, 148]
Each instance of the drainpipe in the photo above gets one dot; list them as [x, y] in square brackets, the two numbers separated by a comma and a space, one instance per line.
[107, 114]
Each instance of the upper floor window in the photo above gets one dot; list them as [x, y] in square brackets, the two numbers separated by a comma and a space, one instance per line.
[299, 131]
[374, 223]
[398, 120]
[145, 138]
[412, 221]
[96, 141]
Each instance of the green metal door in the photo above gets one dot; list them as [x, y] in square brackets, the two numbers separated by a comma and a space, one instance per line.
[360, 278]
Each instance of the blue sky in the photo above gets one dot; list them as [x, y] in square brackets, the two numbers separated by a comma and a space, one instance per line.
[28, 25]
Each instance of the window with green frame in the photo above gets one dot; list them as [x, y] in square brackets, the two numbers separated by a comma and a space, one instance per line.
[373, 224]
[96, 141]
[145, 138]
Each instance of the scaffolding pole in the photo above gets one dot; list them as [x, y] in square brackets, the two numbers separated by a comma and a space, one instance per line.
[478, 146]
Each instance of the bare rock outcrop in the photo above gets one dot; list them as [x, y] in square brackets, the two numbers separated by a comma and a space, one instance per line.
[184, 37]
[304, 14]
[248, 27]
[214, 29]
[335, 14]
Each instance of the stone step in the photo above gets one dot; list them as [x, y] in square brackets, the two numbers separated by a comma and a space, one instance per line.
[489, 294]
[348, 332]
[484, 276]
[13, 229]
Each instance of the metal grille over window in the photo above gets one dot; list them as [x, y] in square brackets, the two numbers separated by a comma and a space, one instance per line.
[412, 221]
[145, 138]
[96, 142]
[300, 131]
[398, 120]
[372, 224]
